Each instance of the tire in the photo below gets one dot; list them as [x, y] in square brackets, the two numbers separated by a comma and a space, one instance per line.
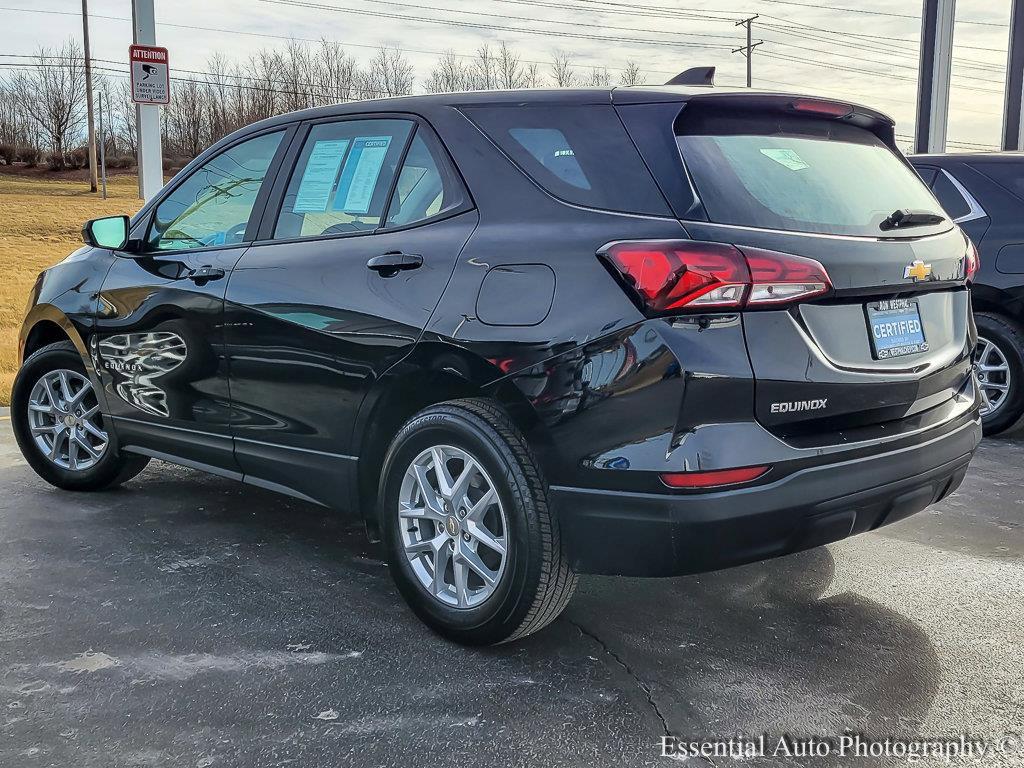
[109, 469]
[1007, 339]
[534, 582]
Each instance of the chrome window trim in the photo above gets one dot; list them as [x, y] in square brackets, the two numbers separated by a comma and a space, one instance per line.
[976, 211]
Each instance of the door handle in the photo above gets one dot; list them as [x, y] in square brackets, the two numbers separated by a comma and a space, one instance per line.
[204, 274]
[391, 263]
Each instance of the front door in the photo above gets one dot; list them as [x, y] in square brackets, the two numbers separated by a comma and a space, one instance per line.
[356, 248]
[158, 343]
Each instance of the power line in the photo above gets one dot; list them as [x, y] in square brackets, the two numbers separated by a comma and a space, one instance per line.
[267, 35]
[493, 27]
[820, 7]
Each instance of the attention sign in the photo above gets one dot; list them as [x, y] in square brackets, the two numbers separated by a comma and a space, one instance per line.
[151, 79]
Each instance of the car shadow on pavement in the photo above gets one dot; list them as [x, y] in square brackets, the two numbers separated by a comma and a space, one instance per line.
[213, 603]
[763, 649]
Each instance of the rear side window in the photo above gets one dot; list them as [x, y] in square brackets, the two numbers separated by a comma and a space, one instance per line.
[953, 202]
[580, 154]
[799, 175]
[427, 186]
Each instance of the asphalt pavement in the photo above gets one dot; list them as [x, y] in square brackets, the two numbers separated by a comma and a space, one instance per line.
[186, 620]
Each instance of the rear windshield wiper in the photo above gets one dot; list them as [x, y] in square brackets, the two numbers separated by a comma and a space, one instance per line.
[903, 217]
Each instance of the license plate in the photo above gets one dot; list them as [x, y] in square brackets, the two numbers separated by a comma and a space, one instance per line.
[895, 328]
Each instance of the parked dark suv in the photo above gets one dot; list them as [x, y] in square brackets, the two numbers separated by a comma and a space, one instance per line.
[523, 339]
[984, 194]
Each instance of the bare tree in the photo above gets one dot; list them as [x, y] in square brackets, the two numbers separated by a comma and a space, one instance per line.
[631, 74]
[562, 71]
[389, 74]
[449, 74]
[16, 129]
[52, 93]
[186, 118]
[123, 128]
[335, 74]
[599, 76]
[294, 68]
[531, 76]
[485, 69]
[510, 72]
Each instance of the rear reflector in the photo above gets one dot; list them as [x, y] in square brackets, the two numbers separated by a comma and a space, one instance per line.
[711, 479]
[822, 107]
[685, 275]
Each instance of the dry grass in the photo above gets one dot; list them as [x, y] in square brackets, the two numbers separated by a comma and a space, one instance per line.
[40, 224]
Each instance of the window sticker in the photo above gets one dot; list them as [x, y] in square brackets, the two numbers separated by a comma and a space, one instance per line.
[786, 157]
[319, 177]
[359, 176]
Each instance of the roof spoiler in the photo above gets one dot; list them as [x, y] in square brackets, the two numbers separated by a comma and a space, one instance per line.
[694, 76]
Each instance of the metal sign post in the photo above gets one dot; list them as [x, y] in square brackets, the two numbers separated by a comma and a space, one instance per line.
[147, 114]
[103, 147]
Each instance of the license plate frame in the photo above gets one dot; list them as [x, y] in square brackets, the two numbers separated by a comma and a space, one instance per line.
[895, 328]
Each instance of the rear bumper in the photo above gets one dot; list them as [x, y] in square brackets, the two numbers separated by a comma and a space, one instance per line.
[653, 534]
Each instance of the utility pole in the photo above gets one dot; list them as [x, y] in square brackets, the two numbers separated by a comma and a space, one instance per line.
[748, 49]
[88, 96]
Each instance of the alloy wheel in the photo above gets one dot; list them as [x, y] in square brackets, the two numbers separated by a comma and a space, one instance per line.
[64, 417]
[453, 527]
[993, 376]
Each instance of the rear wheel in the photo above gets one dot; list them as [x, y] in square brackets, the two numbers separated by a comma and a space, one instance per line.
[999, 357]
[59, 427]
[471, 542]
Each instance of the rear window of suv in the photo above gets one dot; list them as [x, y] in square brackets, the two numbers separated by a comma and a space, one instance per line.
[799, 174]
[578, 153]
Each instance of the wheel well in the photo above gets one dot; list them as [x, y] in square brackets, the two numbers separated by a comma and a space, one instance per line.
[403, 399]
[997, 303]
[43, 333]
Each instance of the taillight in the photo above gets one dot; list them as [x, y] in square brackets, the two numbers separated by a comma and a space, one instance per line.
[684, 275]
[972, 261]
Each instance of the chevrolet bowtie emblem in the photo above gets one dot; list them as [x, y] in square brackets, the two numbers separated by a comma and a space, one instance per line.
[917, 270]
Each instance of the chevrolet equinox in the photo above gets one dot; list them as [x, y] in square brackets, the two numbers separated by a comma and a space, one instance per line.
[646, 331]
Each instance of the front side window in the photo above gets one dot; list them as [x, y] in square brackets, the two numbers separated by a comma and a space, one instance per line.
[343, 177]
[212, 206]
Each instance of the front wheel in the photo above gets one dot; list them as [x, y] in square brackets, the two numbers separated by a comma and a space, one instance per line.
[59, 427]
[471, 541]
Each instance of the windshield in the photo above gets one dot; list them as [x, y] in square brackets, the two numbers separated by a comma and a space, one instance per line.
[804, 183]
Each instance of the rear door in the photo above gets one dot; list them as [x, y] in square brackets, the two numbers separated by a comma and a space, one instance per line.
[821, 181]
[355, 250]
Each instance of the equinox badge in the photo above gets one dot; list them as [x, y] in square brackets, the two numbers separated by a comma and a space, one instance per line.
[800, 405]
[918, 270]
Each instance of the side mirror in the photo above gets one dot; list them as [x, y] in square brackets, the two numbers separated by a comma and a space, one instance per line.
[109, 232]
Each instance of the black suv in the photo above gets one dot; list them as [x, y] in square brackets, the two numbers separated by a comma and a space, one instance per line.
[523, 335]
[984, 194]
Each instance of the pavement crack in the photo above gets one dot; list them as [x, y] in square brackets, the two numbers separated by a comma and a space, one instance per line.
[648, 693]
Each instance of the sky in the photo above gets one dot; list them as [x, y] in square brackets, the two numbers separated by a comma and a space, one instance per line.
[865, 51]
